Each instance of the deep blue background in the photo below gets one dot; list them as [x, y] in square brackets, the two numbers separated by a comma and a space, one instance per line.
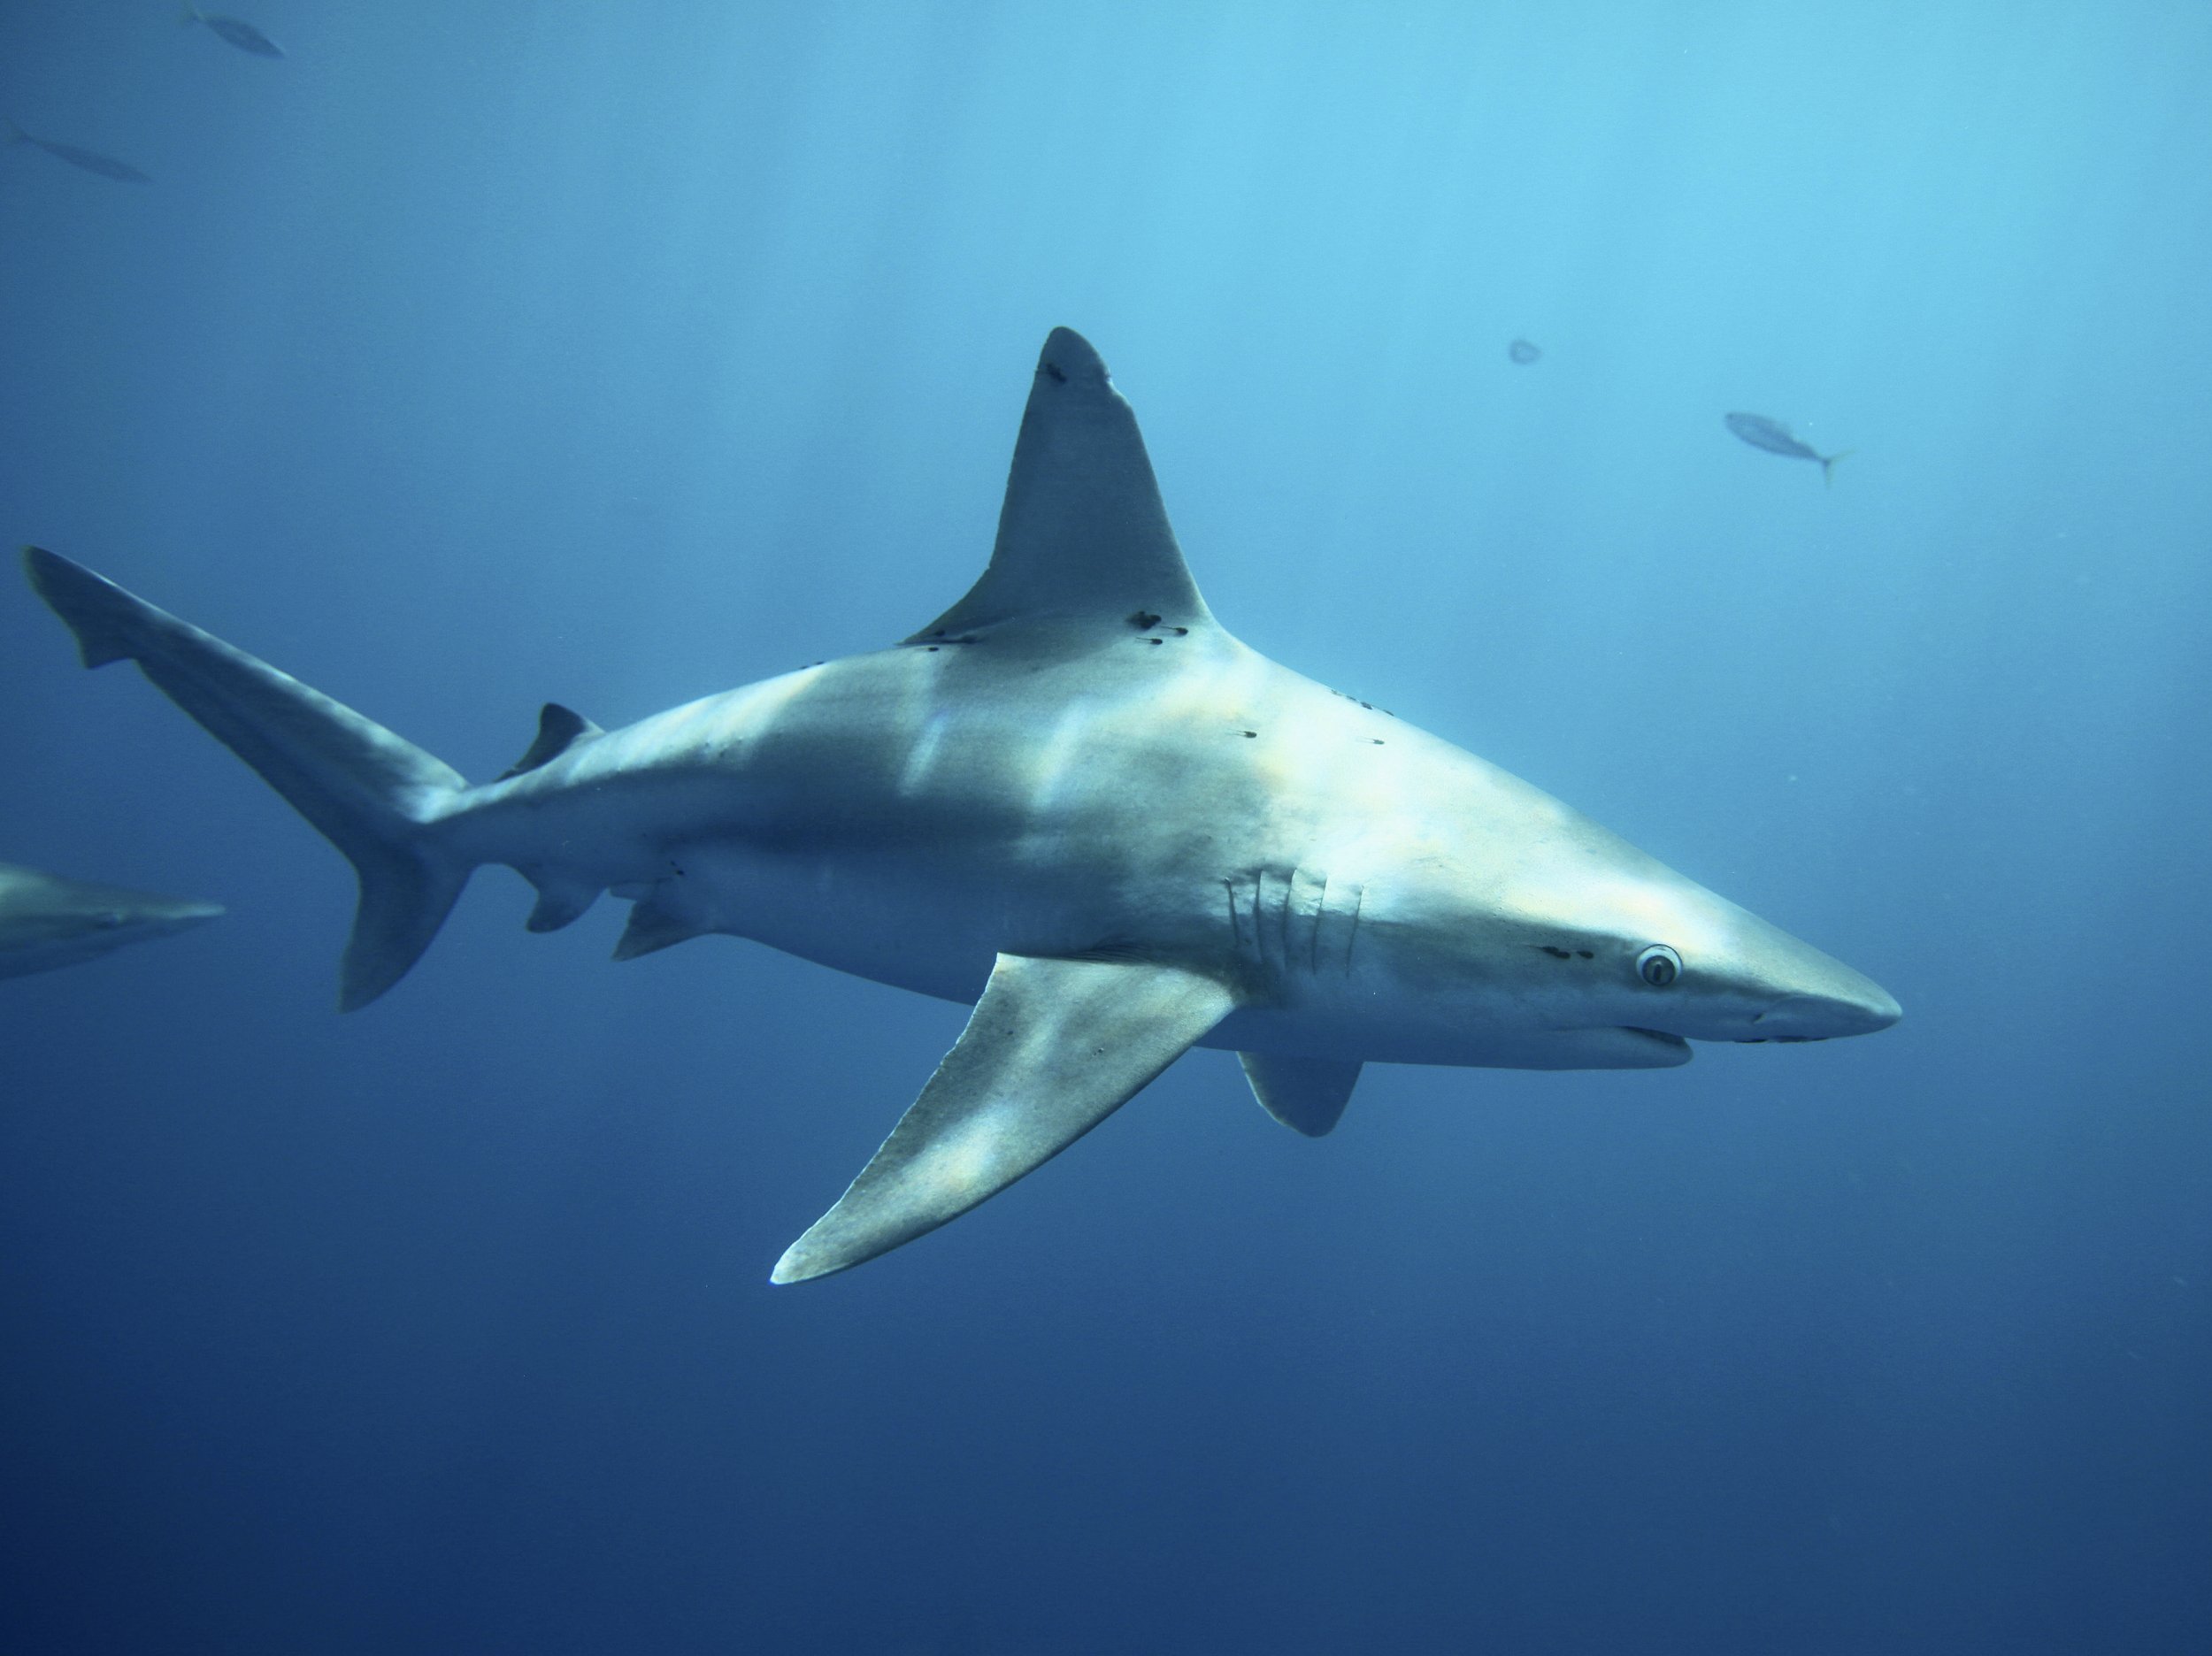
[479, 355]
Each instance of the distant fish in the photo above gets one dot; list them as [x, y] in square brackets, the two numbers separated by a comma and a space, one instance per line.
[89, 160]
[1776, 438]
[237, 31]
[1523, 352]
[47, 921]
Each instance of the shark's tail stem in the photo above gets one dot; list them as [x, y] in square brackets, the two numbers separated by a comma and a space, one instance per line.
[371, 794]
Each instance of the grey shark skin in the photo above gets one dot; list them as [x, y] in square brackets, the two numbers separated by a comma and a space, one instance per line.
[48, 922]
[1074, 799]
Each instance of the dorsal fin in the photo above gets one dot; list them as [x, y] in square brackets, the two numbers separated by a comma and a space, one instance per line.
[559, 729]
[1083, 534]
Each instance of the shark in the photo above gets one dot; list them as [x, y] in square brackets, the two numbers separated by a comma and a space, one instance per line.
[1075, 801]
[47, 921]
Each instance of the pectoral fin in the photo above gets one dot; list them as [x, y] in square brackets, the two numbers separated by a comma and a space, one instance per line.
[1054, 1048]
[1308, 1094]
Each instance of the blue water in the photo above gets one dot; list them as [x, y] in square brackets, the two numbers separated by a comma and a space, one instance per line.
[475, 356]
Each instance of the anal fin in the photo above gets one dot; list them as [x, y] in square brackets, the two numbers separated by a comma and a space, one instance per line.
[651, 927]
[1053, 1048]
[560, 902]
[1305, 1095]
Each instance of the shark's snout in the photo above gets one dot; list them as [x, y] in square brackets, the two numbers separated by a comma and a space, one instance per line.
[1860, 1011]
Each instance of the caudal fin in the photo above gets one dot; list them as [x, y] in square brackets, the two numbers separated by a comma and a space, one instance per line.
[369, 793]
[1828, 465]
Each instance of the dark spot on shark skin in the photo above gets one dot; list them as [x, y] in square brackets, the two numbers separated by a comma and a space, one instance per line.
[1142, 618]
[1051, 371]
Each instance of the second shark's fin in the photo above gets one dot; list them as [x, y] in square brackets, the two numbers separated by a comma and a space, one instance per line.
[1308, 1094]
[1082, 534]
[1054, 1048]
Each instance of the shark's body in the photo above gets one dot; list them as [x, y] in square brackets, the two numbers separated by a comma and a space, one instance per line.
[1074, 799]
[48, 922]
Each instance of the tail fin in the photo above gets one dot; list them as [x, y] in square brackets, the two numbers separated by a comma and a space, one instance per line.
[1828, 465]
[370, 794]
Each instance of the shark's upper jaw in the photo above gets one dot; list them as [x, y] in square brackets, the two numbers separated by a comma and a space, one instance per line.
[1666, 1049]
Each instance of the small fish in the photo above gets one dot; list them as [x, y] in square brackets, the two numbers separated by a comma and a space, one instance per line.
[1524, 351]
[1776, 438]
[237, 31]
[89, 160]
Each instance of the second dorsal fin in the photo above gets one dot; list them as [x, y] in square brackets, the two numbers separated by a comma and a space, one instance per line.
[559, 729]
[1083, 534]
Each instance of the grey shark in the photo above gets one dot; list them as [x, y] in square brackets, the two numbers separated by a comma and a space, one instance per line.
[47, 921]
[1073, 800]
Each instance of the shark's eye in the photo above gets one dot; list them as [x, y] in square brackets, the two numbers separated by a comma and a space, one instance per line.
[1659, 966]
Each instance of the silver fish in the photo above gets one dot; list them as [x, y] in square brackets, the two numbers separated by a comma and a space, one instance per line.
[236, 31]
[87, 160]
[1776, 438]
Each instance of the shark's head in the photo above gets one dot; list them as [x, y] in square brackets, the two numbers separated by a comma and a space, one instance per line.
[1584, 952]
[1617, 950]
[47, 921]
[1660, 957]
